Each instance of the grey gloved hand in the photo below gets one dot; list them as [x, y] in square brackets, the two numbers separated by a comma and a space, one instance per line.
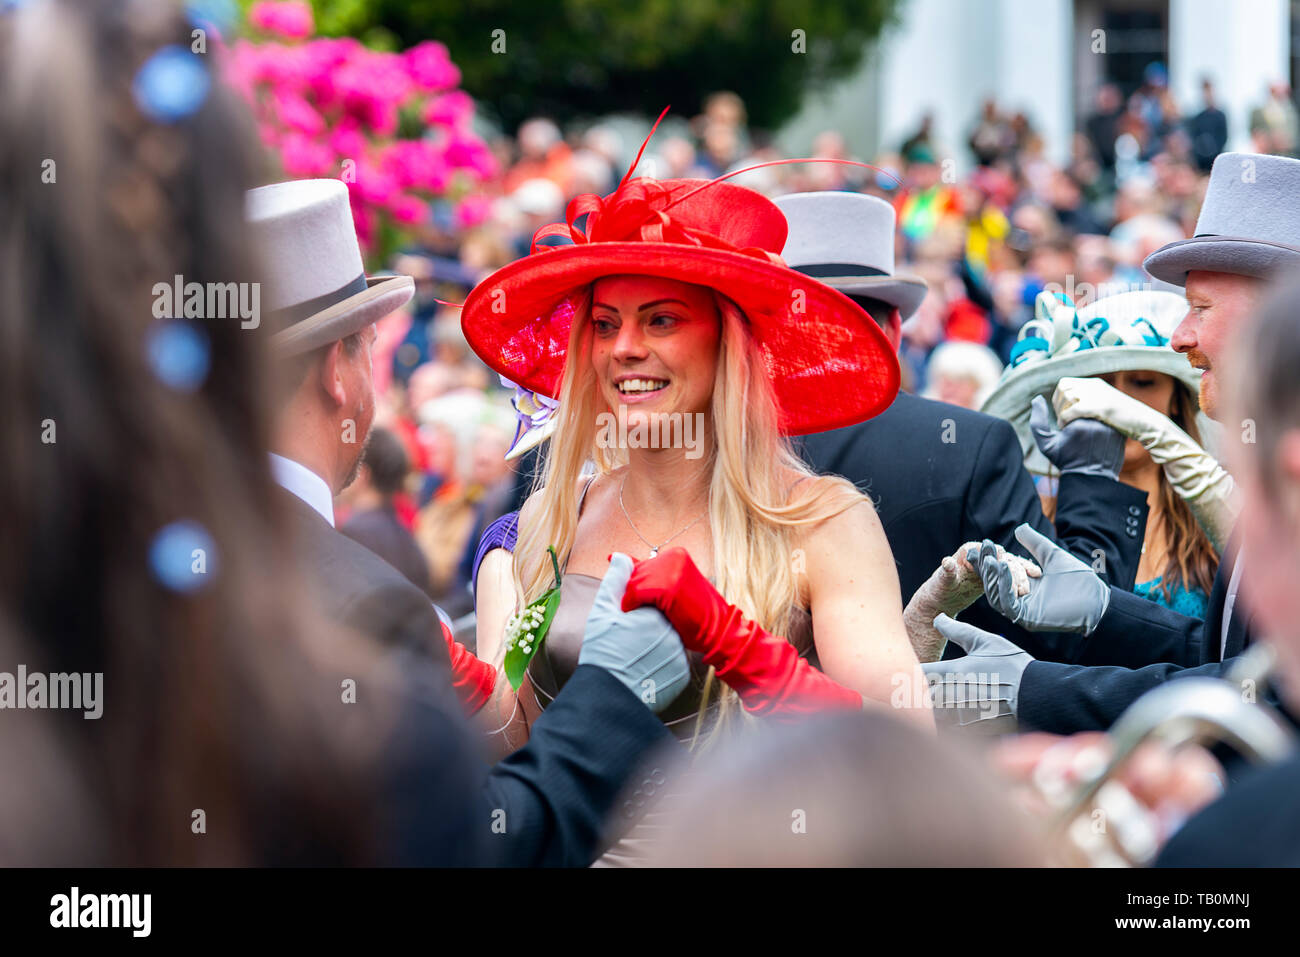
[1095, 449]
[981, 690]
[638, 647]
[1068, 596]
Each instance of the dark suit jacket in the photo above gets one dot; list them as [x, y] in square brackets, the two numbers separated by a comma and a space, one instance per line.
[381, 531]
[1134, 632]
[548, 803]
[942, 475]
[1254, 825]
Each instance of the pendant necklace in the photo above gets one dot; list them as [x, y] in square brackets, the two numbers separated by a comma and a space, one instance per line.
[654, 549]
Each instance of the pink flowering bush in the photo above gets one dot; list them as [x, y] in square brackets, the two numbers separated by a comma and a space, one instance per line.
[393, 126]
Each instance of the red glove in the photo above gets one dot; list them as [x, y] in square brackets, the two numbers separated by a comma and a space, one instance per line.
[473, 679]
[764, 669]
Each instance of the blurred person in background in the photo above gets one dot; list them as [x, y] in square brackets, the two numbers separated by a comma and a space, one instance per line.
[543, 154]
[371, 516]
[992, 139]
[1275, 125]
[1208, 129]
[962, 374]
[1102, 125]
[448, 517]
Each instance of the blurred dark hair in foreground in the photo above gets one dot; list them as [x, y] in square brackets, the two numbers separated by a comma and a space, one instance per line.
[213, 699]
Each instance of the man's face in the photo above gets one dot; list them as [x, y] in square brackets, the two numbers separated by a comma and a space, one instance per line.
[1217, 305]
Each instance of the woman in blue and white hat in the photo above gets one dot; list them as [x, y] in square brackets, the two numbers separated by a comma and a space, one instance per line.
[1111, 360]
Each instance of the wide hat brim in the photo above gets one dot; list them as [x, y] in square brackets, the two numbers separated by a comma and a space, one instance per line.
[904, 293]
[382, 295]
[829, 363]
[1013, 395]
[1231, 254]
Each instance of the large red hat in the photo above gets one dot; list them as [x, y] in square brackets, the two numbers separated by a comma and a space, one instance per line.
[829, 362]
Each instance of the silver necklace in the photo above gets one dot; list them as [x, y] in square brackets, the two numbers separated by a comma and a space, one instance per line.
[654, 549]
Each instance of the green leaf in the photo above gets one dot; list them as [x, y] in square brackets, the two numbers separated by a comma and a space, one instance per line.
[516, 661]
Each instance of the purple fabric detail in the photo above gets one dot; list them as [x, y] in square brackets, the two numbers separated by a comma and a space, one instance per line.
[503, 533]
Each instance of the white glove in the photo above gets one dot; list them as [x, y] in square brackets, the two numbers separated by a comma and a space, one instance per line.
[954, 586]
[1195, 475]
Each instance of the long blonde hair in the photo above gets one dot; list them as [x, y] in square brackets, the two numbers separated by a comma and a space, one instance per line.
[753, 514]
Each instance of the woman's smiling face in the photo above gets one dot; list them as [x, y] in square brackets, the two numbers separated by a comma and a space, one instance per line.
[654, 345]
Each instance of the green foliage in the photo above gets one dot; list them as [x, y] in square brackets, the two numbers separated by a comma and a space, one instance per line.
[574, 58]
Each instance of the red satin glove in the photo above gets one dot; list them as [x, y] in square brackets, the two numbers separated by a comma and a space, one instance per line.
[764, 669]
[473, 678]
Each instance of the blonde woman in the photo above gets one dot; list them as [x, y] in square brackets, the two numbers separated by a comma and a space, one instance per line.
[683, 352]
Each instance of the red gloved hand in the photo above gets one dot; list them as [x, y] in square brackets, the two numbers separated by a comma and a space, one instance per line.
[764, 669]
[473, 679]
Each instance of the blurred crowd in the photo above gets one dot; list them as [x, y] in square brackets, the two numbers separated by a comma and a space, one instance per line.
[986, 242]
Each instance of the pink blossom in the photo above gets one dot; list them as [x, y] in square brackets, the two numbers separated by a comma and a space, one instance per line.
[296, 113]
[347, 140]
[374, 183]
[473, 210]
[416, 163]
[303, 156]
[325, 101]
[408, 209]
[430, 67]
[454, 109]
[363, 220]
[466, 151]
[288, 18]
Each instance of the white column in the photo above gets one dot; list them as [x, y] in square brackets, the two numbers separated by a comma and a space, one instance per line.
[949, 57]
[1035, 68]
[1242, 46]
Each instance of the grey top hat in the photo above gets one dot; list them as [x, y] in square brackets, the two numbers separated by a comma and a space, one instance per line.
[1249, 224]
[315, 289]
[846, 240]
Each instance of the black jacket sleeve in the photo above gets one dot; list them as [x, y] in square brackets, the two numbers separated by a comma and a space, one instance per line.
[1063, 699]
[1103, 522]
[561, 787]
[548, 804]
[1001, 495]
[1136, 632]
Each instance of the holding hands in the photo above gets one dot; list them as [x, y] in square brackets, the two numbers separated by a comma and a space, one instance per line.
[1066, 596]
[764, 669]
[953, 587]
[638, 647]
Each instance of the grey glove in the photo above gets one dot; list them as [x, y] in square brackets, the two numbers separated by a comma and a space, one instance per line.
[1095, 449]
[979, 691]
[638, 647]
[1068, 597]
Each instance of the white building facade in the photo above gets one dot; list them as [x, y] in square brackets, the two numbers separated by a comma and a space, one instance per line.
[1047, 59]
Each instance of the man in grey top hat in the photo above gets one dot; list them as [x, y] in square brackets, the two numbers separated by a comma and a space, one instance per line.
[1248, 233]
[942, 475]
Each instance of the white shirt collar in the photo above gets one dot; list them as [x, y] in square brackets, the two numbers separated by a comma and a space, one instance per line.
[303, 482]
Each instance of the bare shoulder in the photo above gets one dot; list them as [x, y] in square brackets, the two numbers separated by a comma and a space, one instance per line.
[533, 502]
[856, 521]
